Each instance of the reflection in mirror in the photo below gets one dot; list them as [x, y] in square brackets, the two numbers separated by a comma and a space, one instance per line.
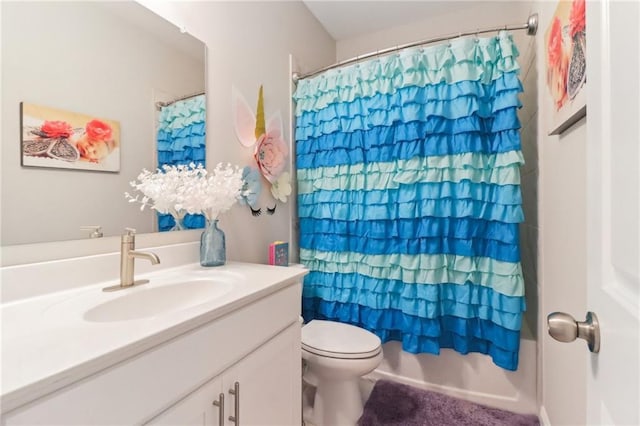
[114, 60]
[181, 141]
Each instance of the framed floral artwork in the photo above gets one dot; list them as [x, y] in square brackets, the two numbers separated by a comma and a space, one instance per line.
[565, 43]
[62, 139]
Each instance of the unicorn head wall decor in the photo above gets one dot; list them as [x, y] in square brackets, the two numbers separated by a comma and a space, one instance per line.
[270, 148]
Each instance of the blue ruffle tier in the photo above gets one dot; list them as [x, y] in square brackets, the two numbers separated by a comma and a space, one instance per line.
[166, 222]
[386, 152]
[182, 146]
[419, 335]
[426, 300]
[415, 209]
[418, 135]
[505, 119]
[416, 307]
[428, 227]
[414, 245]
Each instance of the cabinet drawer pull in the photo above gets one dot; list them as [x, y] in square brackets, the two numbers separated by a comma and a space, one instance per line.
[236, 403]
[220, 405]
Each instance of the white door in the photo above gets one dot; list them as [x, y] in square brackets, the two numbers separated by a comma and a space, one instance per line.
[613, 216]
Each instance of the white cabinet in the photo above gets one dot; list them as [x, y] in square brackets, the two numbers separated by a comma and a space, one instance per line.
[269, 383]
[261, 389]
[197, 409]
[176, 382]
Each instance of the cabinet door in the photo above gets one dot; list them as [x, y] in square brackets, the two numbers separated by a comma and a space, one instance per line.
[197, 409]
[269, 382]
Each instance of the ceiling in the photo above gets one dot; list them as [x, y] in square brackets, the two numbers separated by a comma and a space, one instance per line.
[347, 19]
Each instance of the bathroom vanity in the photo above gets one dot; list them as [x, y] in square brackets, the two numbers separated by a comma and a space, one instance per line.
[217, 346]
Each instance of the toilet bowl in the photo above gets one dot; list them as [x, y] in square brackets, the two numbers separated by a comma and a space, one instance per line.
[337, 355]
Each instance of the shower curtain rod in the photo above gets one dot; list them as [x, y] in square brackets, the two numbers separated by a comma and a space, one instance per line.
[182, 98]
[531, 26]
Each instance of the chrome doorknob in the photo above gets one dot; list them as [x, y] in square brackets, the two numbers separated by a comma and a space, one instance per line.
[564, 328]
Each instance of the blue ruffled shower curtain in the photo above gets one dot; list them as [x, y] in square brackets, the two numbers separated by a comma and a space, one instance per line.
[181, 140]
[409, 198]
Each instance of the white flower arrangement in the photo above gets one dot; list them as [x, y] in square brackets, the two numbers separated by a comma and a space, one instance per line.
[189, 189]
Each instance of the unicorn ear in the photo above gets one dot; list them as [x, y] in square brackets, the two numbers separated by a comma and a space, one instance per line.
[274, 126]
[243, 119]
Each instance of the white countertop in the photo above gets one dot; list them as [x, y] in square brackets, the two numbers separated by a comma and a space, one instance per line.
[47, 343]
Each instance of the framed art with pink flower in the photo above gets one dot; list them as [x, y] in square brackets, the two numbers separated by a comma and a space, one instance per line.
[566, 64]
[56, 138]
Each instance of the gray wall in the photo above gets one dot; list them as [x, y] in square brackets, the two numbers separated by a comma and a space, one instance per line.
[249, 44]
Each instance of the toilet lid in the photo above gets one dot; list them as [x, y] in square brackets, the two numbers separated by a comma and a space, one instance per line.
[338, 340]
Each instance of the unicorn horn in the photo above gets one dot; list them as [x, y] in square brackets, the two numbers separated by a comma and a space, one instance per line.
[261, 127]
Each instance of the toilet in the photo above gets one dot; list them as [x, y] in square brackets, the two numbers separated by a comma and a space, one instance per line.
[337, 355]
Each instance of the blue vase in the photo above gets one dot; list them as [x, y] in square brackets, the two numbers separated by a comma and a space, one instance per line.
[212, 246]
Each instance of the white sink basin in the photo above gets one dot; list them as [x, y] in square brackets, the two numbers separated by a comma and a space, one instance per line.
[146, 302]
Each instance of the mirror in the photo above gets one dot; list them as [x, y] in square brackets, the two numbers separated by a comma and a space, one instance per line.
[113, 60]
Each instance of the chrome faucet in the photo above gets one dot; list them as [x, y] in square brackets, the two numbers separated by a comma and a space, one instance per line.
[96, 230]
[128, 254]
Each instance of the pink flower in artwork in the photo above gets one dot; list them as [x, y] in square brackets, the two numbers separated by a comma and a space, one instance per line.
[98, 131]
[558, 65]
[554, 44]
[577, 17]
[271, 154]
[56, 129]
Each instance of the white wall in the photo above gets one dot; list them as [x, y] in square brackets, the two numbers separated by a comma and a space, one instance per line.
[562, 247]
[249, 44]
[473, 376]
[483, 15]
[529, 173]
[80, 57]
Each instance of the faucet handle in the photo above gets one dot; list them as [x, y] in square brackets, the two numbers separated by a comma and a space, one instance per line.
[129, 236]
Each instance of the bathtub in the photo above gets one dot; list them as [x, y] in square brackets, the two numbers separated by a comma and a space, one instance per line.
[473, 377]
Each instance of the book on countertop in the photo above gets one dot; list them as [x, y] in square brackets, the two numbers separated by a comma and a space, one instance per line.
[279, 253]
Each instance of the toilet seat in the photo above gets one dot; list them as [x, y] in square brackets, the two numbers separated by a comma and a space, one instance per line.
[337, 340]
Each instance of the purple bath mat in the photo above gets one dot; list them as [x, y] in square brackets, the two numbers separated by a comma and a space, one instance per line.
[395, 404]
